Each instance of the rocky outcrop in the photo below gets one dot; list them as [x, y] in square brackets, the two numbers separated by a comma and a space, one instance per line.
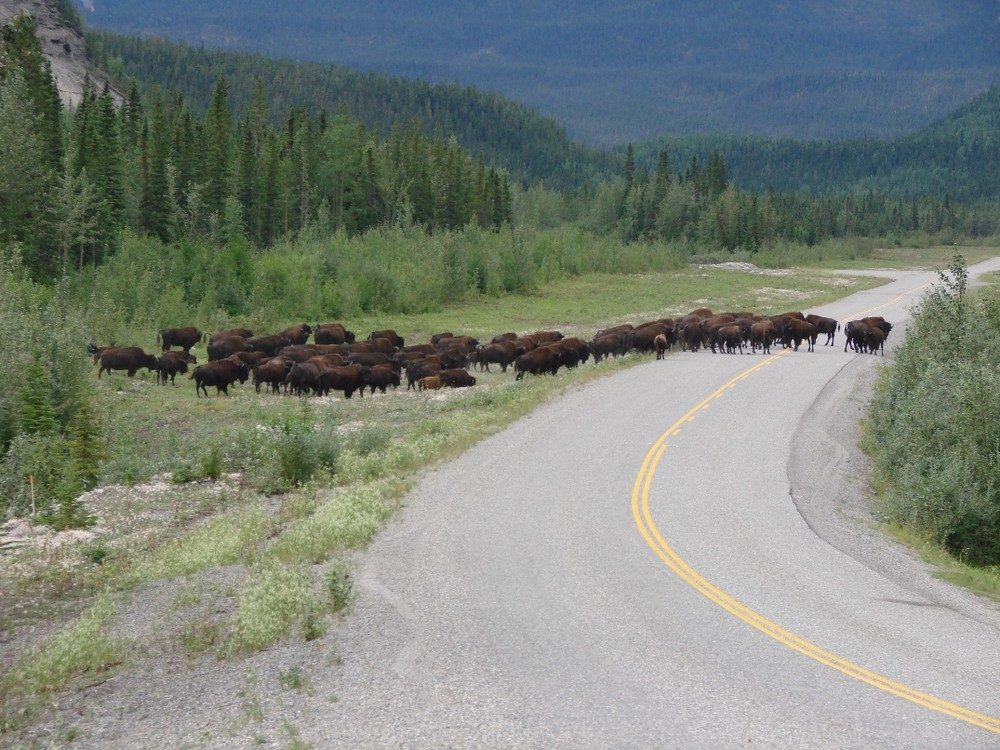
[62, 45]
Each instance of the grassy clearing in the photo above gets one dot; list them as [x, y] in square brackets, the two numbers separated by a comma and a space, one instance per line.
[299, 483]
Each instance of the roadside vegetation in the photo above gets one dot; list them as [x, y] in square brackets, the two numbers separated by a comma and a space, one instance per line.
[934, 428]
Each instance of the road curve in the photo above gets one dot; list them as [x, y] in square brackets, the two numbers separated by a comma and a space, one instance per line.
[676, 556]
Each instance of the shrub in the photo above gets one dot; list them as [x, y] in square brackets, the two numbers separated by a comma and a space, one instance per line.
[934, 424]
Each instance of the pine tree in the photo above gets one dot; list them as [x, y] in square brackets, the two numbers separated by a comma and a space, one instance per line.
[217, 158]
[25, 176]
[36, 412]
[155, 209]
[21, 50]
[86, 445]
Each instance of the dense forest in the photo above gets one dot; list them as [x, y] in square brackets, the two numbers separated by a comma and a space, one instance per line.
[955, 156]
[615, 73]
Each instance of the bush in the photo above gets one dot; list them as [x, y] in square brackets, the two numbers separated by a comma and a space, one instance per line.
[934, 424]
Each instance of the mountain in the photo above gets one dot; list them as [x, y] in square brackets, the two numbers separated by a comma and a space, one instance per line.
[957, 155]
[613, 72]
[62, 43]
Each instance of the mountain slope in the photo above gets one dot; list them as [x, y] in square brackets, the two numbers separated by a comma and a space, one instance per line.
[958, 155]
[614, 72]
[62, 44]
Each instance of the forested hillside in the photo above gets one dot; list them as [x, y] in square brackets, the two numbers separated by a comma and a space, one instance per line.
[504, 132]
[957, 156]
[619, 72]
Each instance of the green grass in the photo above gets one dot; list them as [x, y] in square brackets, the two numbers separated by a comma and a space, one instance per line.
[982, 581]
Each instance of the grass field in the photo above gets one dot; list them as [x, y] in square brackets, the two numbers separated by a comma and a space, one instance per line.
[246, 508]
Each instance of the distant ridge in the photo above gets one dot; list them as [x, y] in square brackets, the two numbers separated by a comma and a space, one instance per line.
[613, 72]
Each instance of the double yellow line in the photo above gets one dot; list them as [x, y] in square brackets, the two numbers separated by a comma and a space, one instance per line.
[647, 527]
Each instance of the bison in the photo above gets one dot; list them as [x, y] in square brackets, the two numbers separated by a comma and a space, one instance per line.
[348, 379]
[829, 326]
[537, 362]
[170, 363]
[797, 331]
[332, 333]
[270, 345]
[456, 377]
[297, 334]
[185, 338]
[387, 333]
[229, 333]
[383, 376]
[501, 353]
[222, 373]
[854, 335]
[128, 358]
[225, 347]
[271, 373]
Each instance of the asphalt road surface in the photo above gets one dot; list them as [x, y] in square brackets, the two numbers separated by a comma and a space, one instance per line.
[676, 556]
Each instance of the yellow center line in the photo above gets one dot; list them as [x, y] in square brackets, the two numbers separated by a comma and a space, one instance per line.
[647, 527]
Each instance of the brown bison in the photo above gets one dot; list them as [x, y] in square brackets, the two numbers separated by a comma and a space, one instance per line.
[229, 333]
[607, 345]
[797, 331]
[456, 377]
[297, 334]
[170, 363]
[501, 353]
[429, 383]
[348, 379]
[875, 340]
[270, 345]
[761, 336]
[383, 376]
[829, 326]
[185, 338]
[221, 374]
[387, 333]
[225, 347]
[537, 362]
[730, 338]
[333, 333]
[128, 358]
[660, 345]
[854, 335]
[271, 373]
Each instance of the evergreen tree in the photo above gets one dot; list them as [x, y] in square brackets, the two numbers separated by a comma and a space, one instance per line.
[36, 412]
[21, 50]
[86, 445]
[217, 158]
[156, 210]
[25, 177]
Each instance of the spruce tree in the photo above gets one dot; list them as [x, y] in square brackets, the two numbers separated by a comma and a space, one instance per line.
[218, 144]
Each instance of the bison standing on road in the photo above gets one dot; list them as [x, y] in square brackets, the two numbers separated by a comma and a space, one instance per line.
[829, 326]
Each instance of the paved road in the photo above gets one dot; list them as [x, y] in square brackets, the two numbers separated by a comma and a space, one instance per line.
[568, 584]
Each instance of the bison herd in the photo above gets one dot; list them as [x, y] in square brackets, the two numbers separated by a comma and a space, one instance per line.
[286, 361]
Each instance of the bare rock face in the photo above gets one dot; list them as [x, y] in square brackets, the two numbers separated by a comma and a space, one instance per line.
[62, 45]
